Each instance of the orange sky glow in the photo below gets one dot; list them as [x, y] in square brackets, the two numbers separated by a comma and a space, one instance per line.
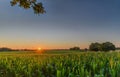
[36, 46]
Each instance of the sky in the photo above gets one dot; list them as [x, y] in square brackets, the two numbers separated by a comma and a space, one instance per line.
[65, 24]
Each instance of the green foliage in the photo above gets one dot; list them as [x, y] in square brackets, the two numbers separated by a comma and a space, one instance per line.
[106, 46]
[95, 47]
[26, 4]
[80, 64]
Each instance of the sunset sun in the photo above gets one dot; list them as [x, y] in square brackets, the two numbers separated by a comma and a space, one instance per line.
[39, 49]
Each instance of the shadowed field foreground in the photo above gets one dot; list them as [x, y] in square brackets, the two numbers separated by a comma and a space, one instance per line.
[67, 64]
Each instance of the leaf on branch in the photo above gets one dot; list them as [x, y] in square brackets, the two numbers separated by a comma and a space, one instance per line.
[27, 4]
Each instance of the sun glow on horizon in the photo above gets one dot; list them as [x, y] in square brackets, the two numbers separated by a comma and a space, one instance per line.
[39, 49]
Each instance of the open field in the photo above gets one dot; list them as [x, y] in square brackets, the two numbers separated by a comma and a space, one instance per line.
[59, 64]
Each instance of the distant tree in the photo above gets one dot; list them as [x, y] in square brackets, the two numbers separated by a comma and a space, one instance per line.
[118, 48]
[85, 49]
[95, 46]
[107, 46]
[5, 49]
[26, 4]
[75, 48]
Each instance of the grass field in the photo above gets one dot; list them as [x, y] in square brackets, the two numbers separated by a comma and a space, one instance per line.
[59, 64]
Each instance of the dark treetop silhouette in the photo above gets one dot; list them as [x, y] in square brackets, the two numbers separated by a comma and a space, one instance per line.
[27, 4]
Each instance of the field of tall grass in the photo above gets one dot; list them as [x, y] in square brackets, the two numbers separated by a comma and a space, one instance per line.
[60, 64]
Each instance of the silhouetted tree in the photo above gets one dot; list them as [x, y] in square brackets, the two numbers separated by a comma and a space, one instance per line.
[5, 49]
[85, 49]
[118, 48]
[75, 48]
[107, 46]
[26, 4]
[95, 46]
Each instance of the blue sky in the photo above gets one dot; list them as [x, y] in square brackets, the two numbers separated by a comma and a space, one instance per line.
[66, 23]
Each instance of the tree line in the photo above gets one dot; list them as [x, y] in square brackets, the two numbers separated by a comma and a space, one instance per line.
[105, 46]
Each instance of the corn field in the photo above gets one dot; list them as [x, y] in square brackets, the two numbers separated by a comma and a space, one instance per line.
[82, 64]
